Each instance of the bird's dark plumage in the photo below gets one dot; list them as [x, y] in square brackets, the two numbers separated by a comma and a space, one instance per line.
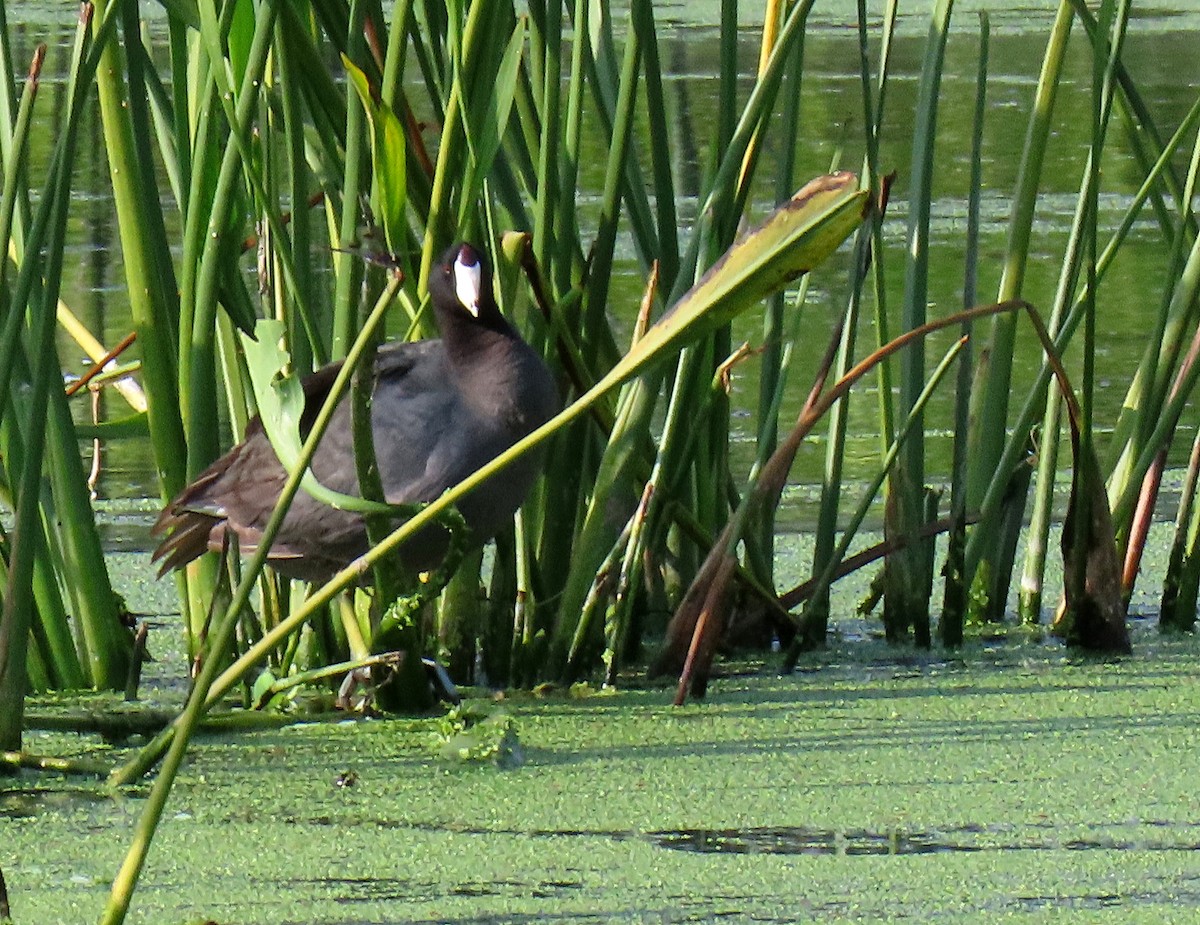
[440, 410]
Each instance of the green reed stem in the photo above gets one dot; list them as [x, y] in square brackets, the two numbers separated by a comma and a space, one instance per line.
[954, 600]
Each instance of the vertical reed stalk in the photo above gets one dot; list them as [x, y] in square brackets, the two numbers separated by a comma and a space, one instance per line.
[908, 576]
[954, 600]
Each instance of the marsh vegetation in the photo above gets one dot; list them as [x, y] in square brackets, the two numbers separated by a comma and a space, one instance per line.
[290, 172]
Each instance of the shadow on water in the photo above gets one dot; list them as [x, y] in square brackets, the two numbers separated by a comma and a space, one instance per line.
[789, 840]
[972, 839]
[403, 889]
[30, 802]
[1143, 835]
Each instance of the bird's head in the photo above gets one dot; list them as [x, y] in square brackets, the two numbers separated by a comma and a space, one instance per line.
[467, 271]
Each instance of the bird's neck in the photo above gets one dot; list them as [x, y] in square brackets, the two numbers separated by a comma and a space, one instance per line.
[466, 339]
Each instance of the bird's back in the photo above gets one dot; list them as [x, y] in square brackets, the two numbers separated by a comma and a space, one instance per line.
[431, 428]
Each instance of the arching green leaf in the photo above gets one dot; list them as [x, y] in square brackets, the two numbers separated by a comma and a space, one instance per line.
[796, 237]
[280, 399]
[388, 157]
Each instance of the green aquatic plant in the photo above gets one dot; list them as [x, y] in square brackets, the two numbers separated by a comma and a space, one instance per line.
[311, 158]
[479, 732]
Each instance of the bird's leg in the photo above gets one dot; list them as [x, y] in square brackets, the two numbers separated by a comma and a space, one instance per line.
[400, 626]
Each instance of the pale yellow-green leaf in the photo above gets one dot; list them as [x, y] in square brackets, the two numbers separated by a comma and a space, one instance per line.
[280, 399]
[388, 157]
[796, 237]
[486, 111]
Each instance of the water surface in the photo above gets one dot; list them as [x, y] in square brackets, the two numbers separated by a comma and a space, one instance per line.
[1010, 781]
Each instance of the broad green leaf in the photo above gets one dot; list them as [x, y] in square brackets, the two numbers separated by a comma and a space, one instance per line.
[239, 37]
[388, 156]
[796, 237]
[262, 685]
[280, 399]
[487, 110]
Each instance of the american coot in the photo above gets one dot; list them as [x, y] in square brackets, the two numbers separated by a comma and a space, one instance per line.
[440, 410]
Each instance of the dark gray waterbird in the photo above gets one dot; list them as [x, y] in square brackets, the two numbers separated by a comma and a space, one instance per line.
[440, 410]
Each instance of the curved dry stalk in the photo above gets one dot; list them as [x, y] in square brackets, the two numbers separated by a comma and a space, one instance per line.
[701, 613]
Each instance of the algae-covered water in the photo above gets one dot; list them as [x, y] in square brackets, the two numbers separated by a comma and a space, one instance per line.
[1015, 784]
